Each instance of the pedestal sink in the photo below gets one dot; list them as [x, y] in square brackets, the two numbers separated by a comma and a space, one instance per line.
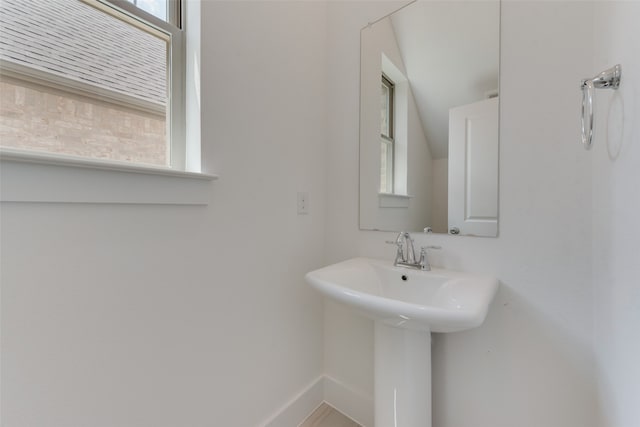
[406, 305]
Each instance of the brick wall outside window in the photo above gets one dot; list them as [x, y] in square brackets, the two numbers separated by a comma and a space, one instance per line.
[40, 118]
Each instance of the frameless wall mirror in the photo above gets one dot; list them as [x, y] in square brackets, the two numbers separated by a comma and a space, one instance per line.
[429, 100]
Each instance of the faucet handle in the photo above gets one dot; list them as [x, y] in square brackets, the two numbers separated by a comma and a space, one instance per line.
[399, 250]
[424, 260]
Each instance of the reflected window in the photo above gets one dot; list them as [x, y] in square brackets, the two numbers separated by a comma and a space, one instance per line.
[386, 136]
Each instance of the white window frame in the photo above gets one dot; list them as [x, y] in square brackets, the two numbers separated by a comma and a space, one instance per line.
[36, 176]
[172, 32]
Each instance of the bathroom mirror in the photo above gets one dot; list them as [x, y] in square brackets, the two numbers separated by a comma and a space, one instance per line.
[429, 102]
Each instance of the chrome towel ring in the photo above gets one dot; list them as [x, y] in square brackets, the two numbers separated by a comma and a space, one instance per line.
[608, 79]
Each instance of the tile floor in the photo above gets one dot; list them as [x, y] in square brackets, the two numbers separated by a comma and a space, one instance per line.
[326, 416]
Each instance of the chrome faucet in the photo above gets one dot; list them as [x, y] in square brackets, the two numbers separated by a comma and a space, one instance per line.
[408, 259]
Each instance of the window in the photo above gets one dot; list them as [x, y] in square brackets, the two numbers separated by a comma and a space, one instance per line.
[158, 8]
[387, 146]
[100, 79]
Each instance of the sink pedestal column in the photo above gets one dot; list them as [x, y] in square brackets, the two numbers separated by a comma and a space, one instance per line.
[402, 377]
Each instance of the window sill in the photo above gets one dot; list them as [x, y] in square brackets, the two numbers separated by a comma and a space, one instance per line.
[392, 200]
[50, 178]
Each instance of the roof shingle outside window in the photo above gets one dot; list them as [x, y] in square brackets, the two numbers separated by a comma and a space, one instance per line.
[77, 41]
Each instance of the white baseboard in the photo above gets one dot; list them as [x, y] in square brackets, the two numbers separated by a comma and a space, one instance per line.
[355, 404]
[299, 407]
[352, 403]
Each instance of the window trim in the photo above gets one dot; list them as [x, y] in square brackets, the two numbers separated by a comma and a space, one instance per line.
[41, 177]
[55, 159]
[174, 111]
[29, 179]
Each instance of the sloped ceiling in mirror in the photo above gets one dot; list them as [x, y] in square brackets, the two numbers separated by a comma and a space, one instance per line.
[462, 35]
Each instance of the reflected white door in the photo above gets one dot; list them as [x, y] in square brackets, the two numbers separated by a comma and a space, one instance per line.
[473, 168]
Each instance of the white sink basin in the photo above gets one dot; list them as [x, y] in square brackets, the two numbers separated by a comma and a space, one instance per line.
[437, 300]
[406, 305]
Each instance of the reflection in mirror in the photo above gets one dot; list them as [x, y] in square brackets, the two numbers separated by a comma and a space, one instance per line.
[429, 119]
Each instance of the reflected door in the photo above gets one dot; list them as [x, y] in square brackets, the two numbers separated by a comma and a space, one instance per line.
[473, 168]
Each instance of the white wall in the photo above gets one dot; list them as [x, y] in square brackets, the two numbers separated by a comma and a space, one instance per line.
[530, 364]
[133, 315]
[440, 191]
[616, 202]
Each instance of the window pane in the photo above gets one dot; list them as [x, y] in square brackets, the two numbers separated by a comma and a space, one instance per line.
[383, 169]
[113, 100]
[386, 167]
[384, 110]
[157, 8]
